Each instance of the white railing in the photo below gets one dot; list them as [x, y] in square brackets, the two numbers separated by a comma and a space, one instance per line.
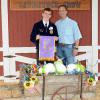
[13, 50]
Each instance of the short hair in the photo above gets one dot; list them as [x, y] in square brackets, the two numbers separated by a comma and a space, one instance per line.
[63, 6]
[48, 9]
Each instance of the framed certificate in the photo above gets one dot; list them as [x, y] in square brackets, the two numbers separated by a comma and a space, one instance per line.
[46, 48]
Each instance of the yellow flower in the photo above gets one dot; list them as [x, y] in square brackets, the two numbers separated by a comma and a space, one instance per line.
[28, 84]
[34, 79]
[90, 81]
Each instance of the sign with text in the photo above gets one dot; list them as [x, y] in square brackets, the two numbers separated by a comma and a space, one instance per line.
[40, 4]
[46, 48]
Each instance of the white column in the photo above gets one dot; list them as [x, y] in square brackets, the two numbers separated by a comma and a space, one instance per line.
[7, 68]
[95, 35]
[5, 36]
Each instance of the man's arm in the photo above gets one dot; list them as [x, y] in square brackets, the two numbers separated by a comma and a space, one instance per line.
[34, 34]
[77, 37]
[76, 44]
[75, 50]
[55, 33]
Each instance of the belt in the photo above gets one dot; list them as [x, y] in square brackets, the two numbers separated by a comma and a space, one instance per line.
[63, 44]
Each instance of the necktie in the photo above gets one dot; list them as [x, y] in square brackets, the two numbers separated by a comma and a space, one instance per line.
[46, 26]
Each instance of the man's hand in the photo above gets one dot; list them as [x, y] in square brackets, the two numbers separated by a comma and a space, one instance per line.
[75, 52]
[37, 37]
[56, 38]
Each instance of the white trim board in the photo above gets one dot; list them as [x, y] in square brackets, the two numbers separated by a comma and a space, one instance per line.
[22, 49]
[95, 34]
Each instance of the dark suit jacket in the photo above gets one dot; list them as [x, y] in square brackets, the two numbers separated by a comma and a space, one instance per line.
[39, 29]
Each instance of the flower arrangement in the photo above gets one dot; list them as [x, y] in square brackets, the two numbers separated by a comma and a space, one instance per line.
[90, 78]
[28, 76]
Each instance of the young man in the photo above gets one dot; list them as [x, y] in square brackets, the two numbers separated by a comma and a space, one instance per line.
[69, 36]
[43, 28]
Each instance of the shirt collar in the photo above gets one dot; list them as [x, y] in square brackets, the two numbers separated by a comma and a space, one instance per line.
[45, 23]
[65, 18]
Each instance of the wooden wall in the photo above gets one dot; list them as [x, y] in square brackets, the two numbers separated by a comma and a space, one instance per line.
[21, 23]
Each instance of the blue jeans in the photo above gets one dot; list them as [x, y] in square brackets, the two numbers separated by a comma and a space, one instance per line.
[66, 52]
